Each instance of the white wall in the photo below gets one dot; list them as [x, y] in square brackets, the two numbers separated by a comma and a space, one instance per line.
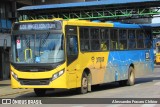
[156, 20]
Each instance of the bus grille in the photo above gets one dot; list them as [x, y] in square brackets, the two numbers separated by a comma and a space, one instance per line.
[34, 82]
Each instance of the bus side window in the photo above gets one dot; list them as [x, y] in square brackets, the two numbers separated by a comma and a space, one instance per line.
[84, 39]
[104, 39]
[132, 41]
[95, 43]
[147, 38]
[122, 39]
[114, 39]
[140, 37]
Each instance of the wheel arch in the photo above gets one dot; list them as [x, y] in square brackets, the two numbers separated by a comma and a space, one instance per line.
[131, 65]
[87, 71]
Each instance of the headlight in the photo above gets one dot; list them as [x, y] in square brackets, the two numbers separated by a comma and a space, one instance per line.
[14, 75]
[56, 75]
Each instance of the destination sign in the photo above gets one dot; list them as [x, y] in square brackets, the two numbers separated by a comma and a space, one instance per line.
[38, 26]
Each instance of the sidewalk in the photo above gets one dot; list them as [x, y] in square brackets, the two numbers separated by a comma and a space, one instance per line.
[5, 89]
[5, 83]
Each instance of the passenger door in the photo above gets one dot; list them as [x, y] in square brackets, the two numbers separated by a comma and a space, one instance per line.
[72, 55]
[72, 44]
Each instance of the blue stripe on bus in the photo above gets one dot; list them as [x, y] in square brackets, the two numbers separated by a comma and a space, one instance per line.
[119, 61]
[122, 25]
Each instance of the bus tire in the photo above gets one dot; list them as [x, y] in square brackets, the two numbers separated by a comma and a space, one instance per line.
[131, 76]
[39, 92]
[84, 84]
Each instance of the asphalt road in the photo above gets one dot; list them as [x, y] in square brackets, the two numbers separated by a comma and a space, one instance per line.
[145, 87]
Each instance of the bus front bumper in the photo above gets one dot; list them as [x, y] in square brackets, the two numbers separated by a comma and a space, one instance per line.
[59, 82]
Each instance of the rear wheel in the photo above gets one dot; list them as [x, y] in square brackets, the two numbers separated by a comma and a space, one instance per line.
[40, 92]
[131, 76]
[84, 84]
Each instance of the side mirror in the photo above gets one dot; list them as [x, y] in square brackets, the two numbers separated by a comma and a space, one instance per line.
[5, 44]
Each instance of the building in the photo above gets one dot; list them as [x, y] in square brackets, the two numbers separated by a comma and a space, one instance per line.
[8, 15]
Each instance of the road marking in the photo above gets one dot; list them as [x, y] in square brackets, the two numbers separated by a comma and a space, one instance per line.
[148, 105]
[114, 105]
[157, 83]
[137, 85]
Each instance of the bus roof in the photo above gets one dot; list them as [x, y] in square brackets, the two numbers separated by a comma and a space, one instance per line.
[94, 23]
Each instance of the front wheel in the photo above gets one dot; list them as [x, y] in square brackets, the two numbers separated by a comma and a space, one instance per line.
[40, 92]
[84, 84]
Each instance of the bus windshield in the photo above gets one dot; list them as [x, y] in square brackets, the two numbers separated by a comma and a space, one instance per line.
[38, 48]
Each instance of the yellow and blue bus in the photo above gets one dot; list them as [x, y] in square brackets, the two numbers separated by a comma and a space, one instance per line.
[157, 56]
[68, 54]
